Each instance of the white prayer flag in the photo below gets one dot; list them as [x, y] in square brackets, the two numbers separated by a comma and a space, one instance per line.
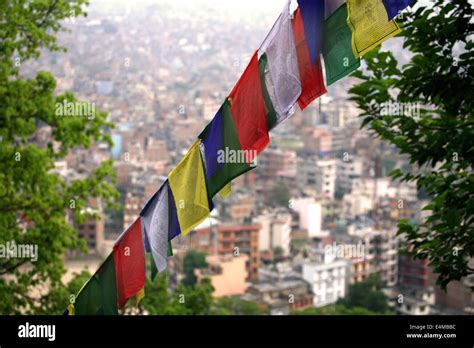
[282, 77]
[155, 219]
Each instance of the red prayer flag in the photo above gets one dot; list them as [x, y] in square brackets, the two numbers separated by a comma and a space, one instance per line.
[129, 259]
[248, 110]
[312, 82]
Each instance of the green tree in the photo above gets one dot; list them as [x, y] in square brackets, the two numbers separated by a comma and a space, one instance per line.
[157, 298]
[194, 300]
[34, 201]
[439, 142]
[56, 300]
[185, 300]
[337, 309]
[368, 295]
[278, 252]
[193, 260]
[238, 306]
[280, 195]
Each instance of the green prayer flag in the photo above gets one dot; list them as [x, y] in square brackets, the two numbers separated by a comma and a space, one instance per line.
[99, 295]
[221, 153]
[153, 269]
[271, 113]
[339, 58]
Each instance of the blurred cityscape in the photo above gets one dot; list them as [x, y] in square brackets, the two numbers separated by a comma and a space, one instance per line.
[318, 214]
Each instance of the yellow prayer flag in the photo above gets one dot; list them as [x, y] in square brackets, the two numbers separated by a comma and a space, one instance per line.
[71, 309]
[368, 20]
[188, 184]
[139, 296]
[226, 190]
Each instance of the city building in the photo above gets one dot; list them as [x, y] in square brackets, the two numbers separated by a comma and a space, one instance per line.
[317, 175]
[361, 269]
[328, 278]
[326, 174]
[156, 150]
[413, 273]
[283, 296]
[273, 161]
[318, 139]
[418, 302]
[347, 172]
[238, 207]
[92, 230]
[383, 247]
[229, 240]
[228, 274]
[458, 297]
[275, 231]
[309, 212]
[132, 207]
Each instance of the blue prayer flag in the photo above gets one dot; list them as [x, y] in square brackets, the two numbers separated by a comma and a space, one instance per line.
[312, 12]
[394, 7]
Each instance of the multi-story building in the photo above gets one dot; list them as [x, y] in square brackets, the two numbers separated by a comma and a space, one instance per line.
[156, 150]
[361, 269]
[273, 161]
[355, 250]
[416, 303]
[367, 193]
[123, 170]
[307, 172]
[309, 212]
[209, 108]
[228, 274]
[326, 173]
[318, 175]
[347, 172]
[92, 230]
[229, 240]
[238, 207]
[413, 274]
[132, 207]
[458, 297]
[342, 139]
[319, 139]
[383, 247]
[134, 153]
[339, 112]
[275, 231]
[282, 296]
[328, 278]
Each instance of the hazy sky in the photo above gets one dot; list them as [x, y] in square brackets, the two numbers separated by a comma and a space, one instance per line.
[240, 6]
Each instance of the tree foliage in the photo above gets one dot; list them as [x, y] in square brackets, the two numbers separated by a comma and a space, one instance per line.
[238, 306]
[185, 300]
[367, 294]
[54, 302]
[34, 200]
[337, 309]
[279, 195]
[439, 142]
[192, 300]
[193, 260]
